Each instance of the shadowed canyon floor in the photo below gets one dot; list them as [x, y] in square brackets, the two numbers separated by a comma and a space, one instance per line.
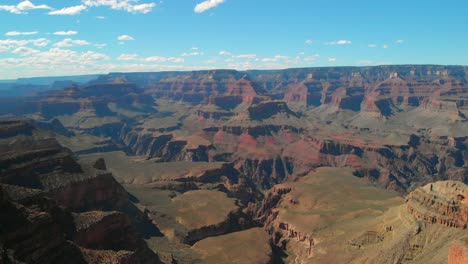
[319, 165]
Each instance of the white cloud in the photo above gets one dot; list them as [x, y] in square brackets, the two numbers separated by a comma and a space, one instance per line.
[247, 56]
[100, 46]
[7, 44]
[331, 59]
[276, 58]
[385, 46]
[68, 42]
[55, 59]
[68, 11]
[63, 62]
[25, 51]
[281, 57]
[125, 38]
[125, 5]
[206, 5]
[192, 54]
[93, 56]
[399, 41]
[65, 33]
[339, 42]
[135, 57]
[17, 33]
[23, 7]
[372, 46]
[163, 59]
[309, 41]
[142, 8]
[10, 43]
[42, 42]
[224, 53]
[127, 57]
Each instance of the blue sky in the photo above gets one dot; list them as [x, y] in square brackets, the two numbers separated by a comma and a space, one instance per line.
[49, 38]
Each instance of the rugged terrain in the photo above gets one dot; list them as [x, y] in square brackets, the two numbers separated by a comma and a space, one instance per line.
[57, 210]
[330, 216]
[193, 167]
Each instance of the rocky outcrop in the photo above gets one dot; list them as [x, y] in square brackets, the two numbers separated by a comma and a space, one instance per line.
[437, 106]
[281, 232]
[443, 203]
[37, 225]
[26, 162]
[31, 229]
[245, 88]
[99, 191]
[264, 210]
[226, 102]
[11, 128]
[265, 172]
[235, 221]
[193, 88]
[36, 230]
[268, 109]
[104, 231]
[54, 126]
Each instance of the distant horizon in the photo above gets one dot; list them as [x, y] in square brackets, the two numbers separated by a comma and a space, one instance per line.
[226, 69]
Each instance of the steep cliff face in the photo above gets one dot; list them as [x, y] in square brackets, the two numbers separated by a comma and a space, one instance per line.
[443, 203]
[192, 88]
[441, 106]
[268, 109]
[166, 147]
[32, 230]
[36, 230]
[26, 156]
[11, 128]
[265, 172]
[235, 221]
[105, 231]
[100, 191]
[37, 224]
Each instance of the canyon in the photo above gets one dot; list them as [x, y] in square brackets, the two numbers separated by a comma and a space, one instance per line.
[310, 165]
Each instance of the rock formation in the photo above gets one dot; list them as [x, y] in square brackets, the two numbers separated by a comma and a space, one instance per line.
[443, 203]
[310, 220]
[48, 205]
